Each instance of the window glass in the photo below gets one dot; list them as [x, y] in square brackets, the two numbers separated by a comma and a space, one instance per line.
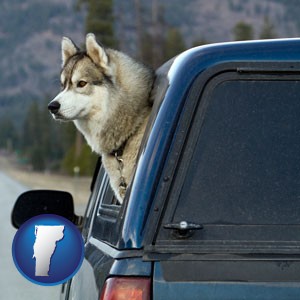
[246, 165]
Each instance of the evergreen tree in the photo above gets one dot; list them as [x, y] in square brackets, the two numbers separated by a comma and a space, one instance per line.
[37, 158]
[146, 50]
[32, 137]
[52, 139]
[30, 127]
[174, 43]
[8, 135]
[268, 31]
[157, 33]
[150, 33]
[41, 140]
[100, 20]
[243, 31]
[86, 160]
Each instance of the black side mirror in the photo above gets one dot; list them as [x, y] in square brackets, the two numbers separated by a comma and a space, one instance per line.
[37, 202]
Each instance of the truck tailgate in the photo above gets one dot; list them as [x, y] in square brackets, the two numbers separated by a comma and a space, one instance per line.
[208, 285]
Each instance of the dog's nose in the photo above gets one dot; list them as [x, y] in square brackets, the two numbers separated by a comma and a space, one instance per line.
[54, 107]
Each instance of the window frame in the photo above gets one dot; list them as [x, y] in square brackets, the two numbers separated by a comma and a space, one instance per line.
[104, 224]
[196, 101]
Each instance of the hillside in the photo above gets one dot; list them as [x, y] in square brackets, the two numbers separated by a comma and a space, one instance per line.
[30, 35]
[31, 31]
[217, 18]
[213, 20]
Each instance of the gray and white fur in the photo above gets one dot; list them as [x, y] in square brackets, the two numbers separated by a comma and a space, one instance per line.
[106, 94]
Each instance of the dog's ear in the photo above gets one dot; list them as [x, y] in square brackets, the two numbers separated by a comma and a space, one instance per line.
[68, 49]
[96, 52]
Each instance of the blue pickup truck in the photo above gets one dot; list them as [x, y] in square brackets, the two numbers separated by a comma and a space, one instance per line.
[213, 211]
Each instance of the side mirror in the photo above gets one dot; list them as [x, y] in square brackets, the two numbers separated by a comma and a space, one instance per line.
[37, 202]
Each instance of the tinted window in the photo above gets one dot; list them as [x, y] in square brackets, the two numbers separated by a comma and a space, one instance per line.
[246, 166]
[242, 180]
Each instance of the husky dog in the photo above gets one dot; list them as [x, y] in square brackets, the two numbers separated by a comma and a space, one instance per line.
[106, 94]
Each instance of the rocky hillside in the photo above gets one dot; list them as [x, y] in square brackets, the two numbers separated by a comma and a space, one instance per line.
[30, 35]
[214, 20]
[31, 30]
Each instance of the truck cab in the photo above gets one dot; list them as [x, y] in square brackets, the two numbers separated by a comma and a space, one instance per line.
[213, 211]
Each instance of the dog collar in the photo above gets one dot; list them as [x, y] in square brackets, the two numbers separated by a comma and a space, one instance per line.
[119, 152]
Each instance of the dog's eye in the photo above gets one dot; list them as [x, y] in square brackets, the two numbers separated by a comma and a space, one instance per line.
[81, 84]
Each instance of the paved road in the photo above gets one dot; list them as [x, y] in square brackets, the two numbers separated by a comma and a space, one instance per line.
[12, 284]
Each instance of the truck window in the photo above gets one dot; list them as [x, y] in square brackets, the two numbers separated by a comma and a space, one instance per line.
[242, 180]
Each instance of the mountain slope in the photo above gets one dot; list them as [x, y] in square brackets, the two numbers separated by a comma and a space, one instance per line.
[30, 35]
[31, 31]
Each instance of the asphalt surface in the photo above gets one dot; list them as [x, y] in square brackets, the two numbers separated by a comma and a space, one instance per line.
[12, 284]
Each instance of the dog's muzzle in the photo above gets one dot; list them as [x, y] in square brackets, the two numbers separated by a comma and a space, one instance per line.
[54, 107]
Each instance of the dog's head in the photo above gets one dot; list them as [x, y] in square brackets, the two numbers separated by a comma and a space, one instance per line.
[85, 76]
